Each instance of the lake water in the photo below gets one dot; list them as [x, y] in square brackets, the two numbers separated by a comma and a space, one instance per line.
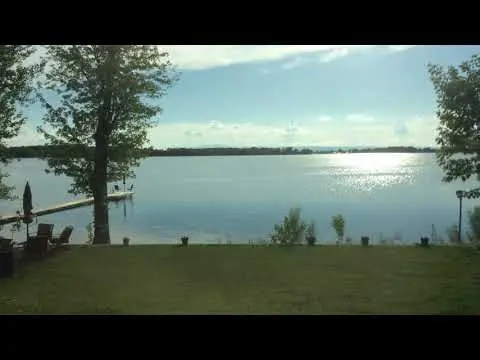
[237, 199]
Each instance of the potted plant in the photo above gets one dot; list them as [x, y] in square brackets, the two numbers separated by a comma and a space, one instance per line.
[7, 261]
[184, 240]
[310, 236]
[365, 240]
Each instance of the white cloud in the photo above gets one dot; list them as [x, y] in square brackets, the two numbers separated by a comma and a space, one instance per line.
[27, 136]
[415, 131]
[198, 57]
[215, 125]
[400, 47]
[334, 54]
[295, 62]
[359, 118]
[324, 118]
[191, 132]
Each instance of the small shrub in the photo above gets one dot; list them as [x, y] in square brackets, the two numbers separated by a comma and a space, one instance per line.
[310, 235]
[474, 222]
[90, 234]
[338, 224]
[291, 231]
[452, 234]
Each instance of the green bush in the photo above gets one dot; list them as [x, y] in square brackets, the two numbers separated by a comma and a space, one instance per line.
[452, 234]
[310, 234]
[338, 224]
[90, 234]
[291, 231]
[474, 222]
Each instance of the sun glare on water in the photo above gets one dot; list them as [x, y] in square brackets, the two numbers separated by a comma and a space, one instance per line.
[373, 163]
[367, 172]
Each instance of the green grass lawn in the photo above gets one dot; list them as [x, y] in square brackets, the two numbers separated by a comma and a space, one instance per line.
[162, 279]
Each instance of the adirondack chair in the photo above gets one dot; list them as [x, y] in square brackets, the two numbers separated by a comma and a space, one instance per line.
[63, 237]
[37, 244]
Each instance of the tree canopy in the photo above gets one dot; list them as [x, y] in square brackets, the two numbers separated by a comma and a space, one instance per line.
[16, 86]
[107, 97]
[457, 91]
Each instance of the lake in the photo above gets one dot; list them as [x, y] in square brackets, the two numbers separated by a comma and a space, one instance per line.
[239, 198]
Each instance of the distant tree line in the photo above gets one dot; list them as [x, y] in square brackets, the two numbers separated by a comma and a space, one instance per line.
[81, 151]
[394, 149]
[75, 151]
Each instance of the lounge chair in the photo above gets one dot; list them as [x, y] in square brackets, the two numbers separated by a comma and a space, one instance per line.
[37, 244]
[43, 230]
[63, 237]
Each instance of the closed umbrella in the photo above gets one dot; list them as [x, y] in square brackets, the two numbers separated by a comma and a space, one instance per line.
[27, 206]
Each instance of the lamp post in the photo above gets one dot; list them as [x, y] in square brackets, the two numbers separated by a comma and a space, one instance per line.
[460, 195]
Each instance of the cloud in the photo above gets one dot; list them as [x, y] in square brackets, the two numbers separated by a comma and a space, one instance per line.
[191, 132]
[359, 118]
[215, 125]
[292, 133]
[324, 118]
[412, 131]
[200, 57]
[334, 54]
[292, 129]
[296, 62]
[420, 131]
[26, 137]
[400, 47]
[400, 129]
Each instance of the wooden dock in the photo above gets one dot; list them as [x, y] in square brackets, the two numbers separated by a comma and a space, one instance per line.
[67, 206]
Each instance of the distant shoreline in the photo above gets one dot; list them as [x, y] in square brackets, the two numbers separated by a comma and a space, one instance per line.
[76, 151]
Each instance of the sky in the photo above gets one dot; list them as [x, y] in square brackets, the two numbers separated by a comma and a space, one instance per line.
[296, 95]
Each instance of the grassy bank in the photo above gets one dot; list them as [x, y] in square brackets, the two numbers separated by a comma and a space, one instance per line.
[243, 279]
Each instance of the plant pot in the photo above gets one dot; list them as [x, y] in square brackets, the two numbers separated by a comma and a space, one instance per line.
[365, 240]
[424, 242]
[7, 263]
[311, 240]
[185, 241]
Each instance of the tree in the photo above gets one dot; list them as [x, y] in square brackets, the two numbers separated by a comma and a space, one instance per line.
[105, 100]
[458, 101]
[16, 86]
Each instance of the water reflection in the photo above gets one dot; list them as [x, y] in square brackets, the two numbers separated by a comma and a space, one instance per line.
[372, 163]
[175, 196]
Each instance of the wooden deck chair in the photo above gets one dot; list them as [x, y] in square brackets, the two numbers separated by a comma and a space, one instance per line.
[63, 237]
[44, 230]
[38, 244]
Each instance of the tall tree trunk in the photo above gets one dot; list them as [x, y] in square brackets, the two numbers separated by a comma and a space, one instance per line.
[100, 205]
[102, 135]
